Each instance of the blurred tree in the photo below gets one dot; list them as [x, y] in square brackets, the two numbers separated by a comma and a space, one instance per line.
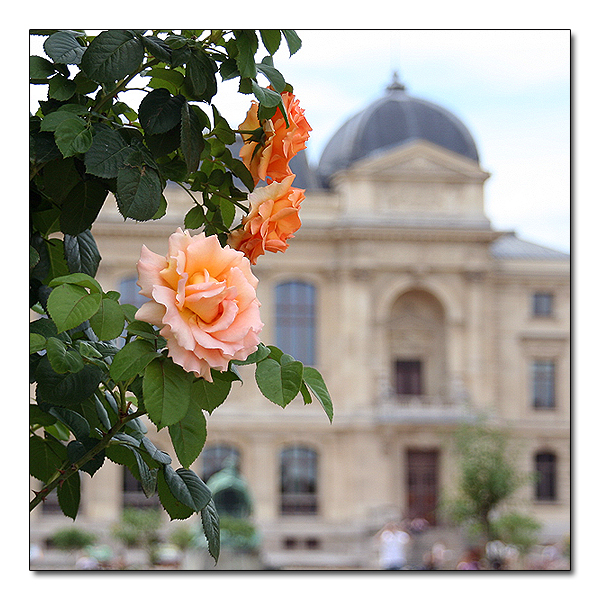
[488, 477]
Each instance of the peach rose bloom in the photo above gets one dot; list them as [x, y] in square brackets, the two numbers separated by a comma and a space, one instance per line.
[203, 297]
[281, 143]
[273, 218]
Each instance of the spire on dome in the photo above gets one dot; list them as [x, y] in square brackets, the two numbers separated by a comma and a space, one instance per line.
[396, 83]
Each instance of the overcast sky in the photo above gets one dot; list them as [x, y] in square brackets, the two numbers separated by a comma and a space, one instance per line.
[511, 88]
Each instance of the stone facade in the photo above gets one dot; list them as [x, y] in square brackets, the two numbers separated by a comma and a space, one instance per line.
[423, 321]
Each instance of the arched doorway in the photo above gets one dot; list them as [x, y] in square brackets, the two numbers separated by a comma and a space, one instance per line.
[417, 343]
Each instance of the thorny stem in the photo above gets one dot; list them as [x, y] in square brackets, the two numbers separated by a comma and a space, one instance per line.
[67, 469]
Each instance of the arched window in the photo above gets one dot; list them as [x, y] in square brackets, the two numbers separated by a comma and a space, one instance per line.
[295, 329]
[545, 468]
[298, 481]
[214, 458]
[129, 290]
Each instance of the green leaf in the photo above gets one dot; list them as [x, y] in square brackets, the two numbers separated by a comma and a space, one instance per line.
[260, 354]
[40, 68]
[73, 420]
[81, 253]
[78, 448]
[159, 111]
[187, 487]
[37, 342]
[73, 136]
[81, 206]
[69, 495]
[139, 192]
[273, 75]
[293, 41]
[68, 389]
[112, 55]
[192, 142]
[157, 48]
[107, 154]
[61, 88]
[70, 305]
[46, 456]
[189, 434]
[174, 507]
[315, 383]
[52, 120]
[279, 383]
[247, 44]
[61, 358]
[200, 81]
[271, 38]
[195, 218]
[109, 321]
[211, 527]
[167, 391]
[158, 455]
[80, 279]
[132, 359]
[63, 47]
[266, 97]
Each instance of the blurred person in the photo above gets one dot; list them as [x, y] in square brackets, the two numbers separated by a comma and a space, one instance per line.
[470, 562]
[392, 547]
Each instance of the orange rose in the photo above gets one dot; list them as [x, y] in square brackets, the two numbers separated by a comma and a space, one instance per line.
[273, 219]
[269, 158]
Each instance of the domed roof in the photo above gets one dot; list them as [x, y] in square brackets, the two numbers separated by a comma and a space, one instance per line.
[391, 121]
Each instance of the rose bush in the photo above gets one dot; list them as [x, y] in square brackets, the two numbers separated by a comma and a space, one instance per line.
[273, 219]
[269, 157]
[203, 297]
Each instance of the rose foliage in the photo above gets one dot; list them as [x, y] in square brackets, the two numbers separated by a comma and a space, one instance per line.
[99, 365]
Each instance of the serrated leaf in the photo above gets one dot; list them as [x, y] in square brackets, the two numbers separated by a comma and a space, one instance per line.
[132, 359]
[78, 448]
[40, 68]
[271, 38]
[200, 81]
[61, 88]
[160, 112]
[68, 389]
[279, 383]
[78, 425]
[112, 55]
[109, 321]
[266, 97]
[247, 44]
[107, 154]
[167, 390]
[70, 305]
[81, 253]
[69, 495]
[139, 192]
[275, 78]
[315, 383]
[192, 142]
[73, 136]
[81, 206]
[46, 456]
[174, 507]
[194, 218]
[61, 358]
[293, 41]
[211, 395]
[187, 487]
[189, 434]
[37, 342]
[158, 455]
[63, 47]
[211, 528]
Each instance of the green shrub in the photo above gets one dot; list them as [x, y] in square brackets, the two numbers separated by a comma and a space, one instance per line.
[72, 539]
[517, 530]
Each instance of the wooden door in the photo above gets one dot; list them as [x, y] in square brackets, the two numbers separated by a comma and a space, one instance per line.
[422, 484]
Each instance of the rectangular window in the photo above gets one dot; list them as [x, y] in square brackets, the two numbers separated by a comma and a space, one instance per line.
[409, 378]
[545, 466]
[543, 379]
[543, 304]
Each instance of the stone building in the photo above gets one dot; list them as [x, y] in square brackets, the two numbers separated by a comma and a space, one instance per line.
[420, 316]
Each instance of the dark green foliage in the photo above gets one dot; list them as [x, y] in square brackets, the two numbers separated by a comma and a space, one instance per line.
[86, 144]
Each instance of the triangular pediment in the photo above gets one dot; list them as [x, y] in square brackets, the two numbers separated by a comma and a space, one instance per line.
[419, 160]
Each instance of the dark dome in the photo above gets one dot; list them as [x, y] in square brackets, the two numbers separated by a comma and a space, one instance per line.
[389, 122]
